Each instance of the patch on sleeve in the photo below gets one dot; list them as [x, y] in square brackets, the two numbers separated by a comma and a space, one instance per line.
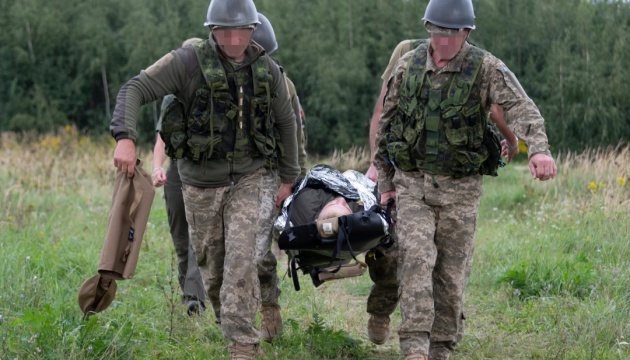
[511, 81]
[159, 65]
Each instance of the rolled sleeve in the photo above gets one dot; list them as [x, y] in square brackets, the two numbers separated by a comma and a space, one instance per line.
[521, 114]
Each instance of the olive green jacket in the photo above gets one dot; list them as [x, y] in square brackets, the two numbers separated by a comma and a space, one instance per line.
[179, 73]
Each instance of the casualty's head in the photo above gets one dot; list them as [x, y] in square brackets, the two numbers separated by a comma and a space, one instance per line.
[335, 208]
[232, 23]
[449, 22]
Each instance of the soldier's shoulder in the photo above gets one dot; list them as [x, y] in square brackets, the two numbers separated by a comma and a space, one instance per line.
[491, 62]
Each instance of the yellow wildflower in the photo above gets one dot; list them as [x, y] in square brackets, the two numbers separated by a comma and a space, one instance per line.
[593, 186]
[621, 180]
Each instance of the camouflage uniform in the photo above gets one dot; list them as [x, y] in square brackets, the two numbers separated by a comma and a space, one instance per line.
[437, 214]
[382, 262]
[267, 262]
[222, 196]
[265, 259]
[222, 223]
[189, 275]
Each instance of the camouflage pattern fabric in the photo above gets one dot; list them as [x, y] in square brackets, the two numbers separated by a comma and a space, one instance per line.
[265, 259]
[382, 266]
[223, 233]
[189, 276]
[498, 86]
[435, 229]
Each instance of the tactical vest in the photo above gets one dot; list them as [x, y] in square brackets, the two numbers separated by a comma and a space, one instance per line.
[230, 115]
[439, 130]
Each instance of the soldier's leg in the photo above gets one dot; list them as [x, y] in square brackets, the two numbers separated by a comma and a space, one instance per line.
[271, 320]
[455, 241]
[265, 258]
[189, 275]
[382, 264]
[415, 232]
[204, 213]
[240, 292]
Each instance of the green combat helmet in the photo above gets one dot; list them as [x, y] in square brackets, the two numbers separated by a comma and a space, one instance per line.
[265, 36]
[452, 14]
[231, 13]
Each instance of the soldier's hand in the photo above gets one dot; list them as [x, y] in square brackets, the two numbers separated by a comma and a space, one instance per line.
[283, 193]
[372, 173]
[388, 195]
[542, 166]
[158, 177]
[507, 151]
[125, 156]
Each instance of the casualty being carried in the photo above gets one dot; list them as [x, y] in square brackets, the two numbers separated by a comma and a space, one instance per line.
[333, 218]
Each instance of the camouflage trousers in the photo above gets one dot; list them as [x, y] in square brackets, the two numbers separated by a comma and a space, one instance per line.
[382, 267]
[223, 233]
[189, 275]
[265, 258]
[437, 217]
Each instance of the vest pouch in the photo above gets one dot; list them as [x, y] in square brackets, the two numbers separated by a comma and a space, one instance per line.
[200, 147]
[458, 137]
[266, 145]
[179, 145]
[172, 126]
[262, 126]
[199, 120]
[492, 145]
[400, 156]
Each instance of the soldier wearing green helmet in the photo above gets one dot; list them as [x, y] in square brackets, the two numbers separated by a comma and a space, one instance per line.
[433, 148]
[224, 88]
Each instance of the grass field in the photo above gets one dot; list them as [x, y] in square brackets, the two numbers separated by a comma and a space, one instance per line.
[550, 279]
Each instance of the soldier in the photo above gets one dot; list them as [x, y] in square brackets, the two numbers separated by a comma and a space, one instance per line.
[384, 295]
[189, 276]
[225, 85]
[271, 320]
[509, 144]
[437, 97]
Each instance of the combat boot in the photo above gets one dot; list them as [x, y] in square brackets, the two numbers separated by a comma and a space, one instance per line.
[437, 351]
[378, 329]
[270, 322]
[245, 351]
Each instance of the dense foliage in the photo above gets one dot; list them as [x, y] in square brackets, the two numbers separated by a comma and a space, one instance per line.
[64, 61]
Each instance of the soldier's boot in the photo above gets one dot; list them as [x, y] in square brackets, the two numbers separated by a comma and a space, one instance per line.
[245, 351]
[416, 357]
[438, 351]
[378, 329]
[270, 322]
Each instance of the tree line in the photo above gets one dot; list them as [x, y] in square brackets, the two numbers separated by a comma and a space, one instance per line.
[63, 61]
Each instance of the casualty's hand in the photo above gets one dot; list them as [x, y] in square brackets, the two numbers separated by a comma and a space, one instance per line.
[542, 166]
[388, 195]
[372, 173]
[158, 177]
[508, 151]
[283, 193]
[125, 156]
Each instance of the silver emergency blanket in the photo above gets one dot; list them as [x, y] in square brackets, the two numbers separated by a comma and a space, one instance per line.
[352, 185]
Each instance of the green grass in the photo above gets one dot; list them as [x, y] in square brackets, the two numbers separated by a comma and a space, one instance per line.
[550, 277]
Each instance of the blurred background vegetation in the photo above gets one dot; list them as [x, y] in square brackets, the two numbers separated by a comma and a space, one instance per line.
[63, 61]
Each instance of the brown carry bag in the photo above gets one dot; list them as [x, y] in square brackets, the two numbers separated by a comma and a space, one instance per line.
[128, 216]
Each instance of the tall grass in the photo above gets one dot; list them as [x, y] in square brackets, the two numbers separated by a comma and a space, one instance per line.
[550, 278]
